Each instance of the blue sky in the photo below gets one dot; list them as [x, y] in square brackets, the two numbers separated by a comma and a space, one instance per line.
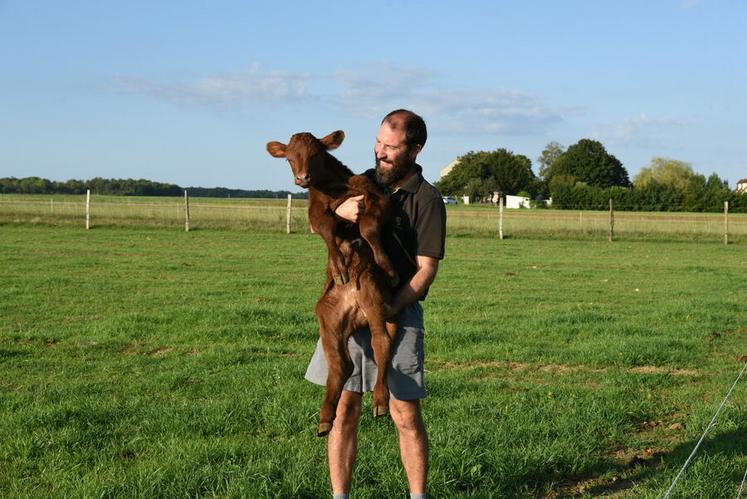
[190, 92]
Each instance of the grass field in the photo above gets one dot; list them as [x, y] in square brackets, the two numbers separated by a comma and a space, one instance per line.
[270, 215]
[150, 362]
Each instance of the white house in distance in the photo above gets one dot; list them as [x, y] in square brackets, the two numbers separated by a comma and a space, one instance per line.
[516, 201]
[742, 186]
[446, 169]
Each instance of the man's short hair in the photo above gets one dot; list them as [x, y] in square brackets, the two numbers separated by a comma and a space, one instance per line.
[414, 126]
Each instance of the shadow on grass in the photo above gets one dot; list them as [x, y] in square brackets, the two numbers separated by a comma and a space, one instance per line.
[9, 354]
[640, 466]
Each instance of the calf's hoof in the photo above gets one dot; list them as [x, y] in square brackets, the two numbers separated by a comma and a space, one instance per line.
[380, 410]
[323, 429]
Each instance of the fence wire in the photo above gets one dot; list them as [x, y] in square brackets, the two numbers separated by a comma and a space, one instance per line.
[270, 214]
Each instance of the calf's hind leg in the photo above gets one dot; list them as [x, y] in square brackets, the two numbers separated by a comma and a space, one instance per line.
[340, 367]
[382, 336]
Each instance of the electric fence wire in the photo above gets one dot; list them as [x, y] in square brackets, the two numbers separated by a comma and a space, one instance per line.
[741, 487]
[708, 428]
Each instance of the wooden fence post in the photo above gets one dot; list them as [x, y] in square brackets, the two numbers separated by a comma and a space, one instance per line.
[500, 217]
[726, 222]
[186, 211]
[288, 216]
[612, 222]
[88, 209]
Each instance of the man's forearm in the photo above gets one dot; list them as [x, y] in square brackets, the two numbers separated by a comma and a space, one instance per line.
[417, 286]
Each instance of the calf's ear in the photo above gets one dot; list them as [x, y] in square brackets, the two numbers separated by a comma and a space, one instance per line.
[276, 149]
[333, 140]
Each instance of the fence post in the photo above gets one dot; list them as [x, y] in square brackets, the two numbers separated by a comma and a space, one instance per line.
[288, 216]
[186, 211]
[500, 217]
[726, 222]
[88, 209]
[612, 222]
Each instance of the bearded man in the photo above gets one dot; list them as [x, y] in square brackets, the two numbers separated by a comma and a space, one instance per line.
[415, 245]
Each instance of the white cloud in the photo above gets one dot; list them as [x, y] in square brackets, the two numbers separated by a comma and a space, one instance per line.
[640, 130]
[253, 85]
[369, 91]
[376, 89]
[688, 4]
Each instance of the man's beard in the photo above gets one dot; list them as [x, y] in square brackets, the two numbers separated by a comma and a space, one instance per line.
[395, 173]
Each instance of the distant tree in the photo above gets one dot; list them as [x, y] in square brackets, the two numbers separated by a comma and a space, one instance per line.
[561, 182]
[128, 187]
[588, 161]
[8, 185]
[34, 185]
[479, 174]
[550, 153]
[73, 186]
[666, 172]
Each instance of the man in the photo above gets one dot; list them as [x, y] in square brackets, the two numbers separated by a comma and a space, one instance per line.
[415, 244]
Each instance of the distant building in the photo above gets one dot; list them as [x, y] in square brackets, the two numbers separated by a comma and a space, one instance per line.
[518, 201]
[742, 186]
[446, 169]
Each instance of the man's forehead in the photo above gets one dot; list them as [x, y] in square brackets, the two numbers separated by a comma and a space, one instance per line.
[391, 136]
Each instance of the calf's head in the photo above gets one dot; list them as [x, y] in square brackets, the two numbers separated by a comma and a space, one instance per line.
[305, 153]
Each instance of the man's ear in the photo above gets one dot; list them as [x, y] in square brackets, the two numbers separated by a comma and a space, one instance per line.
[276, 149]
[333, 140]
[415, 150]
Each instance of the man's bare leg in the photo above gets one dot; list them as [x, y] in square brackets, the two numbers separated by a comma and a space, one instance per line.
[413, 442]
[342, 441]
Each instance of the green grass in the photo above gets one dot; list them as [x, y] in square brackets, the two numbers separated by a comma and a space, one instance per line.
[151, 362]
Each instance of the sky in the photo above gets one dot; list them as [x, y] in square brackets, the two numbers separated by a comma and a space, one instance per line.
[190, 92]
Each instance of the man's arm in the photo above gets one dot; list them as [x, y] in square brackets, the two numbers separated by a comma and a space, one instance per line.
[350, 209]
[418, 284]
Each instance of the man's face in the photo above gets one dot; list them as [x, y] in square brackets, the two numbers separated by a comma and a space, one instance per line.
[394, 159]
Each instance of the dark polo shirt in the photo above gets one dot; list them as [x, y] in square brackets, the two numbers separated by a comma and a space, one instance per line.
[419, 226]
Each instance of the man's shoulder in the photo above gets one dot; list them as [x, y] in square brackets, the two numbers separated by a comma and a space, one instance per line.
[427, 192]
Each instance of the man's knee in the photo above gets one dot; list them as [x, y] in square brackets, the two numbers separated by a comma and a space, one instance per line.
[406, 415]
[348, 409]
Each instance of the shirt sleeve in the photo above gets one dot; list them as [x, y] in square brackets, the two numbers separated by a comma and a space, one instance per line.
[430, 228]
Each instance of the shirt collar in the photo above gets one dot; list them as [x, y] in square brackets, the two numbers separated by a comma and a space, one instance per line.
[413, 182]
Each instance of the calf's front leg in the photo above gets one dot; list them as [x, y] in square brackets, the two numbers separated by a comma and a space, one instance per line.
[370, 228]
[323, 221]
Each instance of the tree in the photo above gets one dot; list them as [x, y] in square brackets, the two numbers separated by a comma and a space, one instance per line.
[666, 172]
[481, 173]
[550, 153]
[588, 161]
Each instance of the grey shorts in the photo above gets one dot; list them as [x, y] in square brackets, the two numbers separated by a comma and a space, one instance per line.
[405, 375]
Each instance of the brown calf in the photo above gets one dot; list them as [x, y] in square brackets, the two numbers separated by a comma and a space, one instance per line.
[356, 292]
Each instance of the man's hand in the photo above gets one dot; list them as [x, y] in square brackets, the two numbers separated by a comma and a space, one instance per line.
[418, 284]
[351, 209]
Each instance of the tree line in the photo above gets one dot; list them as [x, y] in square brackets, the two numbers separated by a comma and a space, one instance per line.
[586, 176]
[128, 187]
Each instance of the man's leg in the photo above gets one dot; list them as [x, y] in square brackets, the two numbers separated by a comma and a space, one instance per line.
[413, 442]
[342, 441]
